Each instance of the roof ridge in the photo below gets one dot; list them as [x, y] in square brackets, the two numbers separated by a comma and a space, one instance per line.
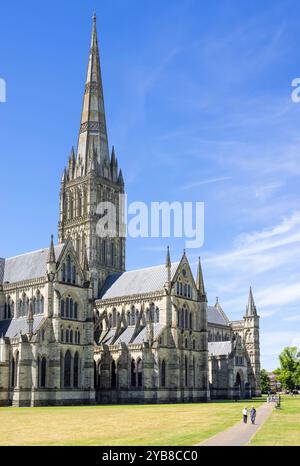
[151, 267]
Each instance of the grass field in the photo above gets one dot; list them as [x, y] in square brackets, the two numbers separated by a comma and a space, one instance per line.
[282, 428]
[174, 424]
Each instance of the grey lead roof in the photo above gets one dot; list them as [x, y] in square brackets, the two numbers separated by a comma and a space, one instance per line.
[216, 316]
[127, 335]
[13, 327]
[219, 348]
[26, 266]
[137, 281]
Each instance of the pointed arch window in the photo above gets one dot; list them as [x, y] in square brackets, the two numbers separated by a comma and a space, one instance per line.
[113, 375]
[42, 373]
[8, 308]
[139, 373]
[182, 318]
[74, 275]
[152, 313]
[186, 375]
[157, 315]
[71, 307]
[75, 310]
[76, 370]
[133, 373]
[132, 316]
[67, 369]
[114, 318]
[14, 370]
[128, 318]
[69, 269]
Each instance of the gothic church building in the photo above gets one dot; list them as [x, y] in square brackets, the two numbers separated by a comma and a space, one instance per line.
[76, 328]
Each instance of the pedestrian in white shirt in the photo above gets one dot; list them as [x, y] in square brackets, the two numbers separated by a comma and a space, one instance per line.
[245, 415]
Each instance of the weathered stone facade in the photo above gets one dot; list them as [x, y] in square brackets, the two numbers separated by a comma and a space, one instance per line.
[76, 328]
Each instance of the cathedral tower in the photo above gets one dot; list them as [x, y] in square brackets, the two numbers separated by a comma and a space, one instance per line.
[92, 180]
[251, 337]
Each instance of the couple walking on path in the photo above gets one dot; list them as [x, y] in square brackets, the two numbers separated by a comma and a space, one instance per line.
[241, 433]
[252, 415]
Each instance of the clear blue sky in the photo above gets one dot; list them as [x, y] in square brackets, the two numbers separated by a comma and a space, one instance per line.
[198, 102]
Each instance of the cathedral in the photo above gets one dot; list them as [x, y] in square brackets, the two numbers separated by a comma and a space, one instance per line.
[76, 328]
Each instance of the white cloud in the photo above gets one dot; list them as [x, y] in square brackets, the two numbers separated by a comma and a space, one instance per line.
[195, 184]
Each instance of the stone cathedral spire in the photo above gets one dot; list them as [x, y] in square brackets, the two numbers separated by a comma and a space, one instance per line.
[93, 131]
[92, 178]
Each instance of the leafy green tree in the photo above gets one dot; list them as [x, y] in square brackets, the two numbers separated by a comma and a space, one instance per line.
[289, 372]
[265, 381]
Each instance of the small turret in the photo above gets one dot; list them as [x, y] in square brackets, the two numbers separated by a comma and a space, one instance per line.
[51, 261]
[251, 308]
[64, 177]
[168, 264]
[85, 266]
[71, 167]
[114, 165]
[30, 319]
[200, 283]
[120, 178]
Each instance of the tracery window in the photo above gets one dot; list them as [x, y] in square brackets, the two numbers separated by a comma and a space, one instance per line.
[68, 308]
[67, 369]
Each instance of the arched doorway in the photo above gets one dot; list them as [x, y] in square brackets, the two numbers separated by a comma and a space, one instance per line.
[239, 386]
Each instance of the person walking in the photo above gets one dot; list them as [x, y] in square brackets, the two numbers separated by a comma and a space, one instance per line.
[253, 415]
[245, 415]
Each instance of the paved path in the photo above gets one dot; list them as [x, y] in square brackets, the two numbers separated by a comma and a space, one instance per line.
[240, 434]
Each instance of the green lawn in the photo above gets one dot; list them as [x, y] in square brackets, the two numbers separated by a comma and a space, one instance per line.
[171, 424]
[283, 426]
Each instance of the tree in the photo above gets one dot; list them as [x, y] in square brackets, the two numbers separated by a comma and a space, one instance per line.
[265, 381]
[289, 372]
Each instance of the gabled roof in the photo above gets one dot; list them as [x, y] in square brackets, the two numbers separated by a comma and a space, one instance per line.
[26, 266]
[215, 315]
[14, 327]
[139, 281]
[219, 348]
